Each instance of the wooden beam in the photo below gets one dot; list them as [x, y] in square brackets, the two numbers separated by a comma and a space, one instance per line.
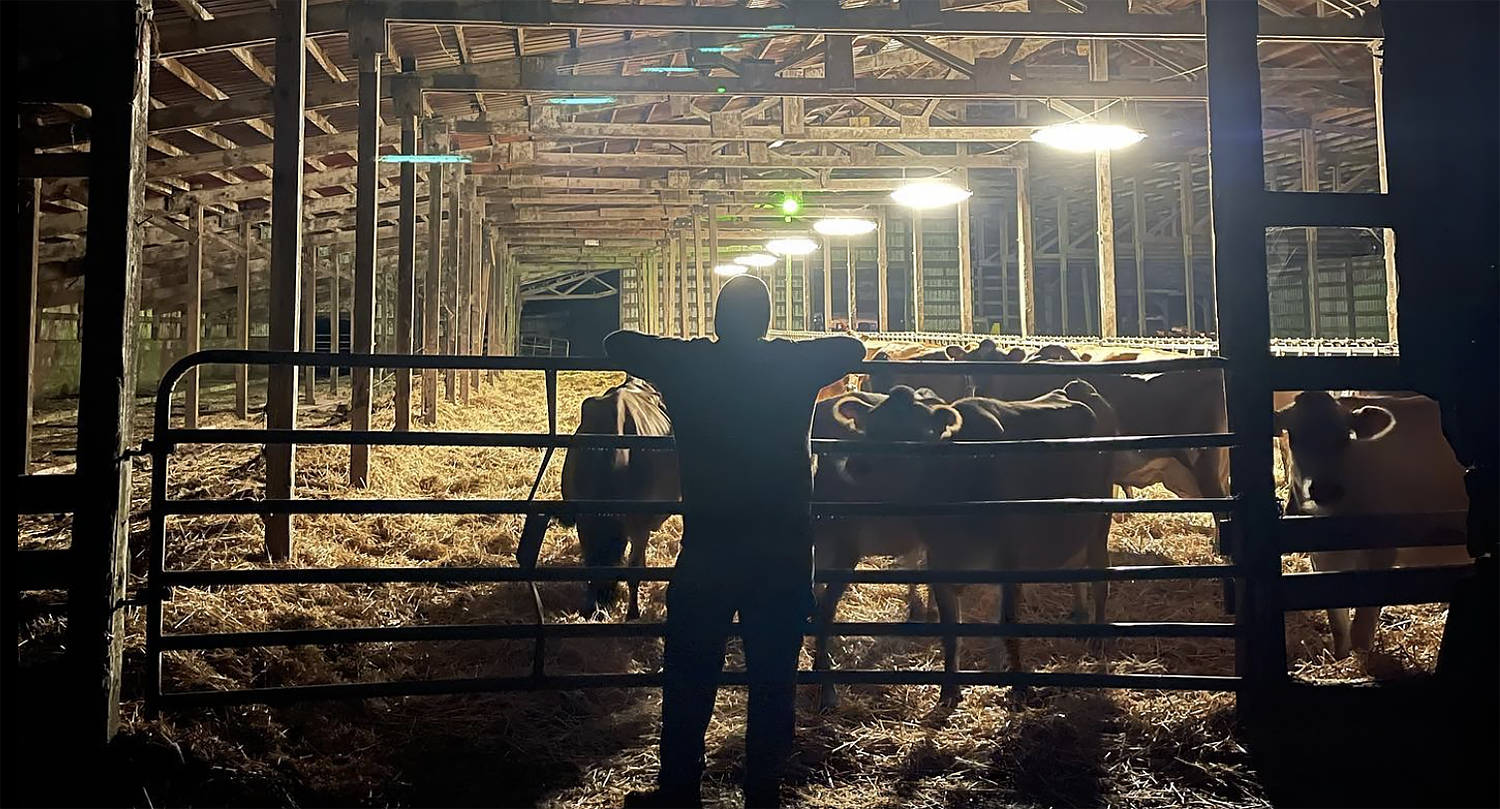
[242, 323]
[407, 104]
[23, 336]
[192, 318]
[186, 75]
[321, 57]
[194, 10]
[882, 272]
[364, 259]
[965, 261]
[100, 553]
[286, 255]
[433, 284]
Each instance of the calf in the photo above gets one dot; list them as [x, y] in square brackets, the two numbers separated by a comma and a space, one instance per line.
[1370, 453]
[1014, 541]
[633, 407]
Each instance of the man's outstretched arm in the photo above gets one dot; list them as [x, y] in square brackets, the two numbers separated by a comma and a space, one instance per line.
[641, 355]
[830, 357]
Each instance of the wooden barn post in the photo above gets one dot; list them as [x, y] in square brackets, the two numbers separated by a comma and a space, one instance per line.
[23, 325]
[452, 261]
[1237, 186]
[918, 292]
[192, 317]
[882, 273]
[682, 278]
[1025, 254]
[309, 313]
[1308, 154]
[702, 280]
[828, 284]
[433, 291]
[119, 94]
[1185, 194]
[367, 39]
[407, 101]
[335, 314]
[286, 252]
[1138, 244]
[242, 322]
[965, 259]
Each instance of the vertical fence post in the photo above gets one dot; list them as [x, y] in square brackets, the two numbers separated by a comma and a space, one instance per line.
[1237, 187]
[407, 101]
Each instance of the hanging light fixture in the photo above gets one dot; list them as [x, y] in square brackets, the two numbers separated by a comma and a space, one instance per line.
[792, 246]
[930, 194]
[1088, 137]
[843, 226]
[755, 259]
[729, 269]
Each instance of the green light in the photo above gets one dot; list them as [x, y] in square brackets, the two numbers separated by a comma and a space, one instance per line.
[577, 101]
[791, 206]
[721, 89]
[668, 69]
[425, 158]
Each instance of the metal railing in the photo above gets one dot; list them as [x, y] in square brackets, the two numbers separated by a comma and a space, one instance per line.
[161, 580]
[1192, 346]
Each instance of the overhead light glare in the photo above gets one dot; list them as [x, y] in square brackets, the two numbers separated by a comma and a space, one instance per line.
[930, 194]
[1088, 137]
[793, 246]
[843, 226]
[425, 158]
[729, 269]
[776, 143]
[755, 259]
[579, 101]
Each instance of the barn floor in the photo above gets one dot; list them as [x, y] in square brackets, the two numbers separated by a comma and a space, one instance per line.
[885, 747]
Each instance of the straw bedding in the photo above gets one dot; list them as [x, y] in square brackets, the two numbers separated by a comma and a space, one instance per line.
[885, 746]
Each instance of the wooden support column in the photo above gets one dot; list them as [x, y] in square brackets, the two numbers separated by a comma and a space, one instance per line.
[1003, 249]
[1237, 174]
[713, 252]
[99, 556]
[882, 273]
[192, 318]
[286, 254]
[242, 322]
[433, 292]
[669, 290]
[407, 102]
[702, 279]
[24, 316]
[965, 258]
[453, 260]
[827, 284]
[786, 292]
[1308, 144]
[309, 313]
[1185, 198]
[1064, 241]
[465, 283]
[1388, 236]
[1104, 198]
[365, 257]
[851, 306]
[476, 277]
[918, 291]
[335, 315]
[682, 272]
[1025, 255]
[1138, 241]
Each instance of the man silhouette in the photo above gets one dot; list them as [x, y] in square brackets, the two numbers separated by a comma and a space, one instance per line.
[741, 409]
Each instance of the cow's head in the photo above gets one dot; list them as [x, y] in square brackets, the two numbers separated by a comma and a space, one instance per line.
[1320, 430]
[905, 415]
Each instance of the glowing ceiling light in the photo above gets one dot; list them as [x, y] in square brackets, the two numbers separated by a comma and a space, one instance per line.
[729, 269]
[579, 101]
[793, 246]
[425, 158]
[843, 226]
[776, 143]
[756, 260]
[1088, 137]
[790, 205]
[930, 194]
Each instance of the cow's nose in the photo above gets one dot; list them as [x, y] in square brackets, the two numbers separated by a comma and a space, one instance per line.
[1325, 491]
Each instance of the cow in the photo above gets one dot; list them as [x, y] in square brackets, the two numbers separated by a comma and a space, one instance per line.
[948, 387]
[1153, 404]
[633, 407]
[1370, 453]
[1010, 541]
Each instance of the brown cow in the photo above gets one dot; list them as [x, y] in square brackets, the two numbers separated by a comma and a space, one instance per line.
[1371, 453]
[633, 407]
[948, 387]
[1007, 542]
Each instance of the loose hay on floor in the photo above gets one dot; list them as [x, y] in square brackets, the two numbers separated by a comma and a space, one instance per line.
[886, 746]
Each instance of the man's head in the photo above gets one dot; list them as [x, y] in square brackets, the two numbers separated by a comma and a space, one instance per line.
[743, 310]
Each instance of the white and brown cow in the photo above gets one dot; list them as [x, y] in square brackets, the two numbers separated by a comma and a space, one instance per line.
[1005, 542]
[1371, 453]
[633, 407]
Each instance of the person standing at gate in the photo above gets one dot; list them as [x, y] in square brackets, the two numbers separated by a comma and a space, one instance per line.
[741, 409]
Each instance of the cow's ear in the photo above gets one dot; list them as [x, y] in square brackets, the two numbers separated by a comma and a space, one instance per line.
[954, 352]
[849, 410]
[1371, 422]
[947, 421]
[1016, 354]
